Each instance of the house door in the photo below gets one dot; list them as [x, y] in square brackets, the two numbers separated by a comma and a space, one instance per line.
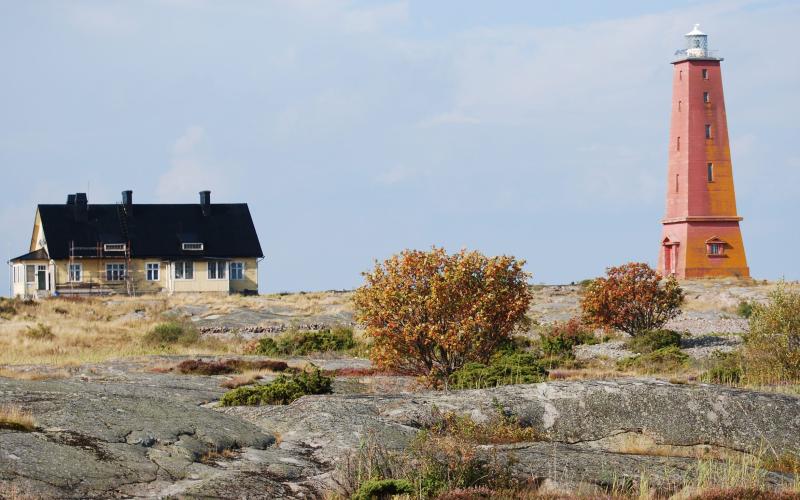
[41, 277]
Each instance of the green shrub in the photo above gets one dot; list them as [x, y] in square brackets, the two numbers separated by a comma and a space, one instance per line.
[745, 308]
[561, 337]
[281, 391]
[654, 340]
[664, 360]
[39, 332]
[505, 367]
[724, 368]
[380, 489]
[772, 347]
[172, 332]
[306, 342]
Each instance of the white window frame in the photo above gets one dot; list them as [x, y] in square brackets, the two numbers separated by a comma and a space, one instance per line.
[30, 266]
[71, 274]
[116, 270]
[238, 268]
[114, 247]
[192, 247]
[152, 271]
[217, 266]
[183, 265]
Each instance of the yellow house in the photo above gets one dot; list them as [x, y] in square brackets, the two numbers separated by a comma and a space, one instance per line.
[126, 248]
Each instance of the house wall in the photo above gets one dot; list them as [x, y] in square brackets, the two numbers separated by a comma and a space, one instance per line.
[94, 272]
[250, 281]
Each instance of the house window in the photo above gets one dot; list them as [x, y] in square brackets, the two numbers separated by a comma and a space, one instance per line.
[705, 74]
[184, 270]
[114, 247]
[216, 270]
[715, 248]
[115, 272]
[710, 172]
[195, 247]
[75, 273]
[237, 271]
[153, 271]
[706, 97]
[30, 274]
[708, 131]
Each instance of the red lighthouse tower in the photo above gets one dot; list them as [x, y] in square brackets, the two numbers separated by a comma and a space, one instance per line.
[701, 236]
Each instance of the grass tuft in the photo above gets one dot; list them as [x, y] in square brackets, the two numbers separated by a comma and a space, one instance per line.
[16, 419]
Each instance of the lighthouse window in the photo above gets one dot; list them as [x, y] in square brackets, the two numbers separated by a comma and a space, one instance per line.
[708, 131]
[679, 105]
[715, 248]
[676, 183]
[710, 172]
[705, 74]
[678, 144]
[706, 97]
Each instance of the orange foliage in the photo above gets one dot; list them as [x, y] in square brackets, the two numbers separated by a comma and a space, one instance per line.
[631, 298]
[429, 313]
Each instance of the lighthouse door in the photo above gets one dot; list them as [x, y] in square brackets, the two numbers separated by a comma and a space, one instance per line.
[667, 259]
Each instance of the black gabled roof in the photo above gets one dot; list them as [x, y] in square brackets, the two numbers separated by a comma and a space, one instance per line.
[39, 254]
[153, 230]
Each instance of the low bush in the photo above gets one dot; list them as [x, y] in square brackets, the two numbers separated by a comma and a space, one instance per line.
[772, 347]
[172, 332]
[560, 337]
[8, 307]
[724, 368]
[380, 489]
[39, 332]
[281, 391]
[664, 360]
[502, 428]
[745, 308]
[227, 366]
[306, 342]
[505, 367]
[654, 340]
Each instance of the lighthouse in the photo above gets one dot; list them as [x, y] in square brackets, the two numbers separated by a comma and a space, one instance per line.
[700, 230]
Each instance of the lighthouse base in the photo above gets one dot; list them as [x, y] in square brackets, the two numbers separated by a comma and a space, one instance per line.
[702, 249]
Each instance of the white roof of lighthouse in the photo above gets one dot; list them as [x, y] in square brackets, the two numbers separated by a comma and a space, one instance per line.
[695, 31]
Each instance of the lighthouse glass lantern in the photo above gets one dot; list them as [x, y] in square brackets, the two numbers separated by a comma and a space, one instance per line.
[696, 43]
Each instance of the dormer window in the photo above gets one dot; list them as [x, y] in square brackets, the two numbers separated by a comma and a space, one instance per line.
[715, 247]
[114, 247]
[192, 247]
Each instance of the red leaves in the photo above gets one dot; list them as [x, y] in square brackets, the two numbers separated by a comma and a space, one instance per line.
[429, 312]
[631, 298]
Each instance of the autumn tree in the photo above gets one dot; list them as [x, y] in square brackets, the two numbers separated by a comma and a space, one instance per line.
[429, 313]
[633, 298]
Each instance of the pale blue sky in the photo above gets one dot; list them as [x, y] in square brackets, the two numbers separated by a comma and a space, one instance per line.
[357, 129]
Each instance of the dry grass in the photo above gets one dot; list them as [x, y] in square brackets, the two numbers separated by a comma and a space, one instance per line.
[94, 330]
[33, 375]
[16, 419]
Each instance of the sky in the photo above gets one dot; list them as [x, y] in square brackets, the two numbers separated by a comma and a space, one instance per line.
[356, 129]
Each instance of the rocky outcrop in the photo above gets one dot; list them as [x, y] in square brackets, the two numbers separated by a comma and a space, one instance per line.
[127, 434]
[592, 429]
[147, 436]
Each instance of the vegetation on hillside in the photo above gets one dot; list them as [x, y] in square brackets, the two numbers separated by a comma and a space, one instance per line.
[301, 343]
